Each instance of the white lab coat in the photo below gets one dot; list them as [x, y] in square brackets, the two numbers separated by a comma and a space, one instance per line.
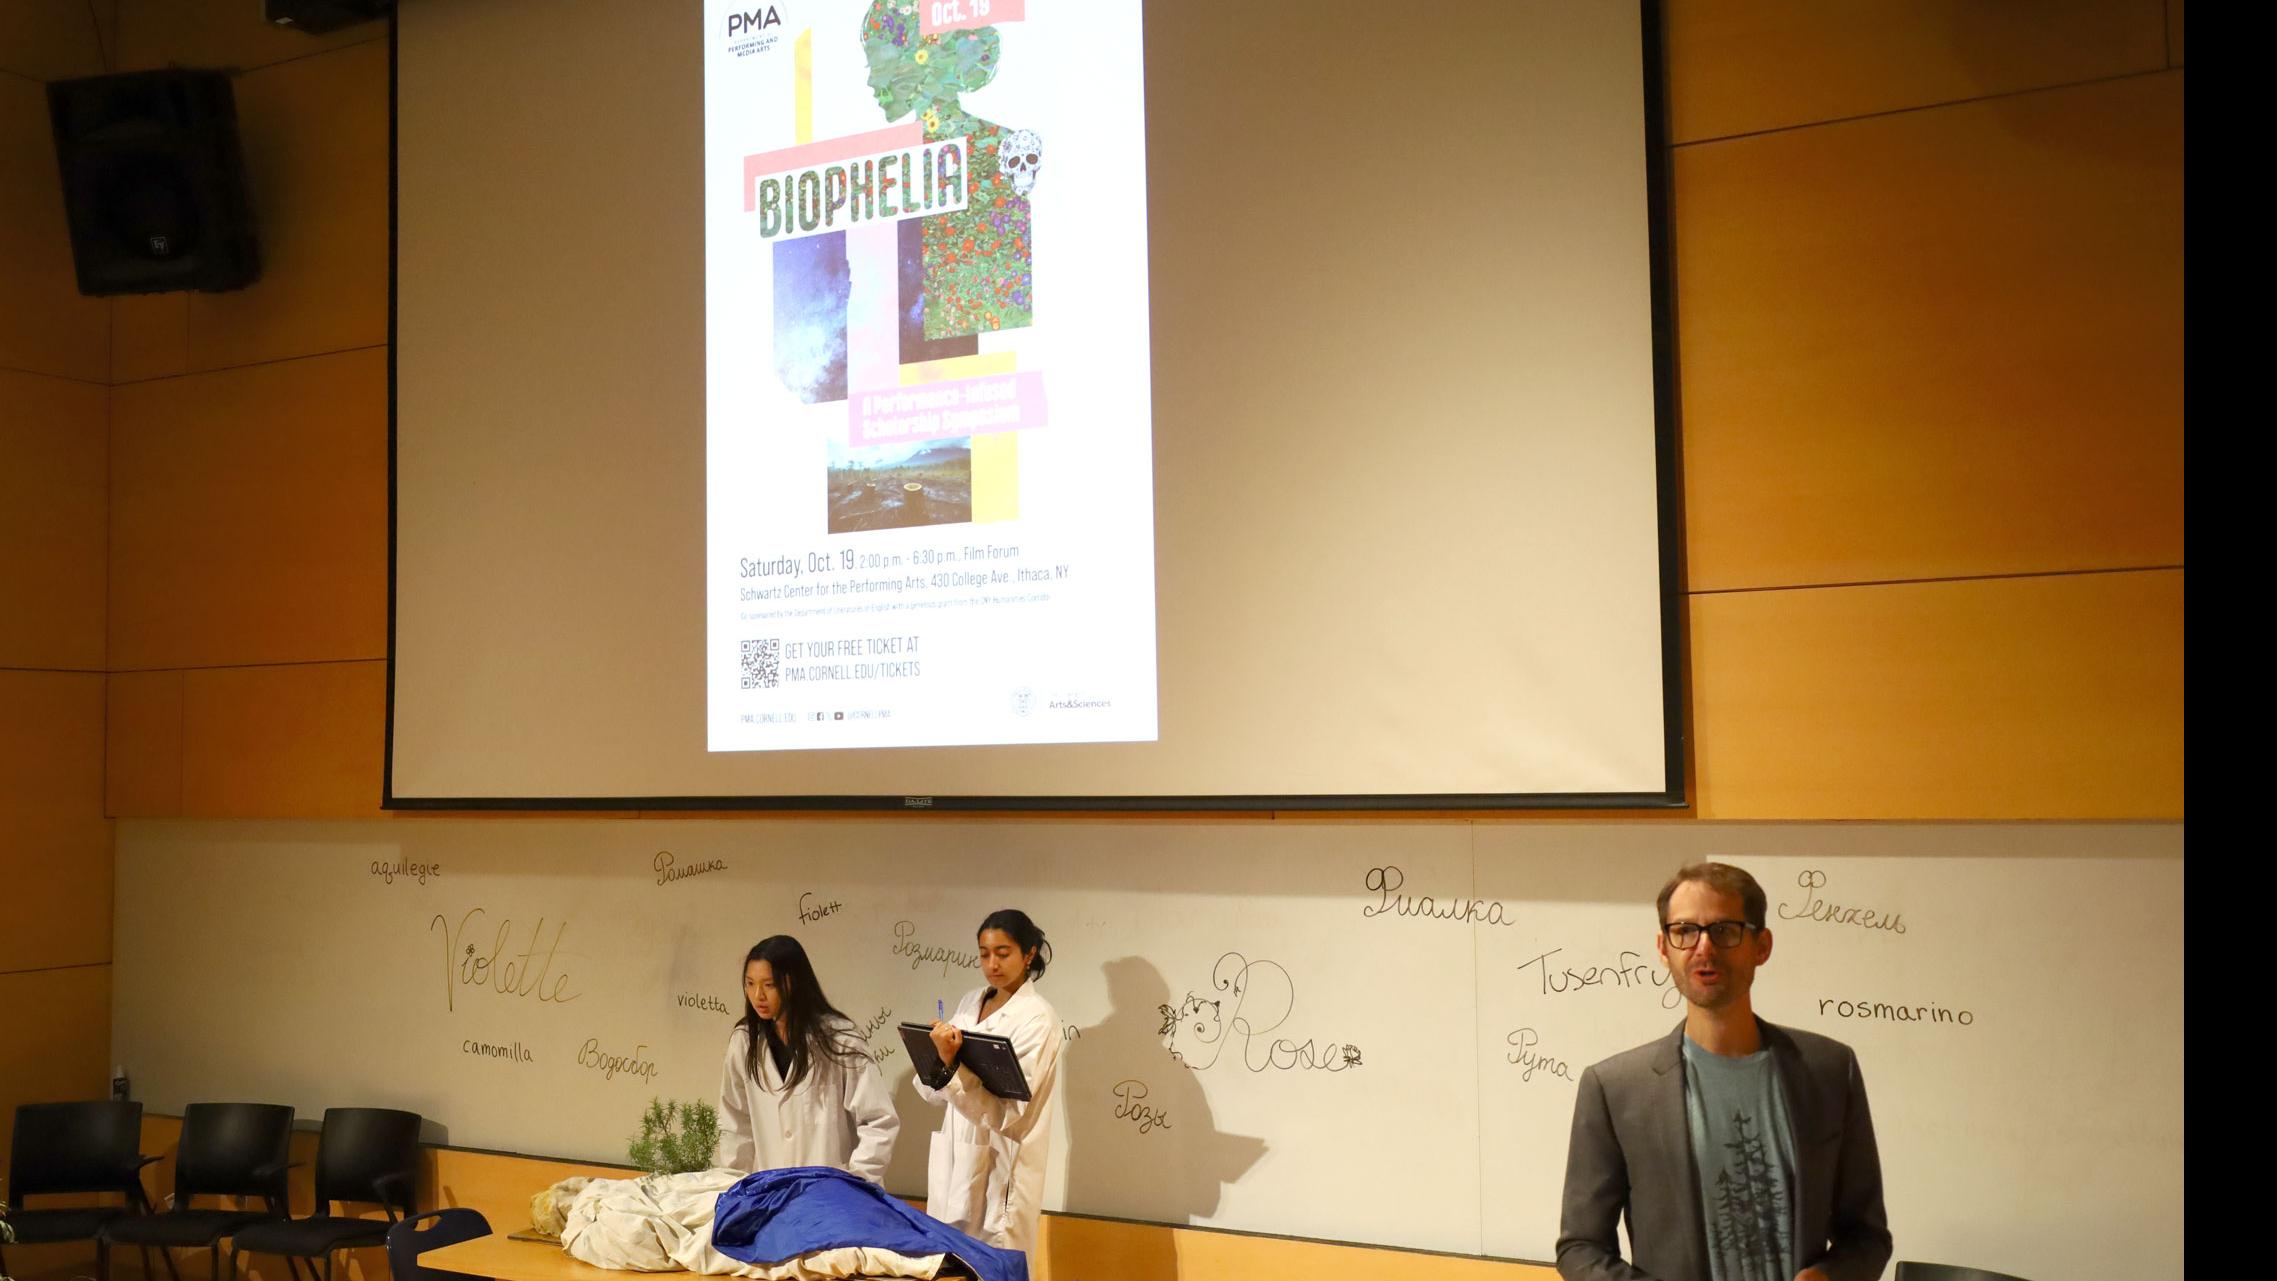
[840, 1116]
[985, 1173]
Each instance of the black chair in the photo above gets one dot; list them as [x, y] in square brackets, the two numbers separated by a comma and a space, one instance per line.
[75, 1149]
[363, 1155]
[227, 1149]
[407, 1240]
[1948, 1272]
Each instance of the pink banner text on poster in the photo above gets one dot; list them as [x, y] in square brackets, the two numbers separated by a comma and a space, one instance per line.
[939, 411]
[950, 15]
[808, 154]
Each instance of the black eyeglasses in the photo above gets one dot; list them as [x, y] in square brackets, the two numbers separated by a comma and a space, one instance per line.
[1683, 934]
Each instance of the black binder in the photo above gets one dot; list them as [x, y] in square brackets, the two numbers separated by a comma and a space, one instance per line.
[990, 1058]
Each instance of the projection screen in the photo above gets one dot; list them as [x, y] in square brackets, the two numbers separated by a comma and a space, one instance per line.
[1030, 403]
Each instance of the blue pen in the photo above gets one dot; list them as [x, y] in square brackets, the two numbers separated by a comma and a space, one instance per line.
[940, 1011]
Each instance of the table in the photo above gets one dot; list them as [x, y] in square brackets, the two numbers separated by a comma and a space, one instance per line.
[503, 1257]
[506, 1259]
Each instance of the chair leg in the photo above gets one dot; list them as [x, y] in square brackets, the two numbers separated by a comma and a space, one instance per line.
[150, 1273]
[102, 1260]
[327, 1265]
[214, 1248]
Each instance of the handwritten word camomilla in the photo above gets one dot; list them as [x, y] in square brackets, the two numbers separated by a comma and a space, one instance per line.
[836, 194]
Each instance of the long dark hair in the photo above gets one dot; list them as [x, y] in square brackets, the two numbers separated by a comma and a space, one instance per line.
[1024, 933]
[808, 1015]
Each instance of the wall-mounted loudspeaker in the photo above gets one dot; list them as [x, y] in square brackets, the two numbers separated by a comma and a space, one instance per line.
[153, 182]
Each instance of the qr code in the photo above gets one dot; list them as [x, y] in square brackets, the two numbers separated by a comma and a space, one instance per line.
[762, 664]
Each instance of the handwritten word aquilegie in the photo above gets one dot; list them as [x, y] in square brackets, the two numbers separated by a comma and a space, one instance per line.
[523, 973]
[1385, 883]
[419, 872]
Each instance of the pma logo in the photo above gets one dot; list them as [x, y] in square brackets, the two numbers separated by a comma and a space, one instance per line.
[752, 22]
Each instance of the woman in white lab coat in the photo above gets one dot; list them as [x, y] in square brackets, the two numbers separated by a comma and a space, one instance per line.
[985, 1174]
[799, 1086]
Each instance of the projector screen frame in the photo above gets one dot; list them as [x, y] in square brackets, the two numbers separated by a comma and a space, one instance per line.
[1675, 703]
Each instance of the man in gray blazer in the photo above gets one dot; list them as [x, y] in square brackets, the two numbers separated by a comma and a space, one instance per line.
[1740, 1151]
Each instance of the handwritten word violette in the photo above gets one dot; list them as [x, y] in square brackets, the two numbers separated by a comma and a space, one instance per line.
[1531, 1060]
[1385, 883]
[1808, 906]
[611, 1065]
[419, 872]
[1129, 1106]
[702, 1001]
[1254, 998]
[666, 873]
[811, 909]
[906, 944]
[1631, 970]
[523, 973]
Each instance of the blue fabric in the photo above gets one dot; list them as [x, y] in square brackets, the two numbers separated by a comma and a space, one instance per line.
[780, 1214]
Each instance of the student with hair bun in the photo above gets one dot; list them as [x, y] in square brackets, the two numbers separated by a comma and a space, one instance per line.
[985, 1174]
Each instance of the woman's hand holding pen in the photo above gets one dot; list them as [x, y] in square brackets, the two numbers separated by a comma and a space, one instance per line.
[948, 1038]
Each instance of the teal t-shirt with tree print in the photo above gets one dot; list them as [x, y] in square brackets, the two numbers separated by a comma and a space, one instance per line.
[1744, 1147]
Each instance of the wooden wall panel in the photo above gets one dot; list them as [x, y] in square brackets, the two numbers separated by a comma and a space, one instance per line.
[55, 39]
[45, 326]
[2026, 698]
[315, 134]
[301, 741]
[1940, 344]
[218, 33]
[249, 515]
[59, 1041]
[54, 482]
[55, 845]
[2174, 33]
[142, 773]
[150, 336]
[1744, 66]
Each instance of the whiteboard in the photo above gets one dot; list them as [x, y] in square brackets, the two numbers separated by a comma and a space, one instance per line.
[1353, 1031]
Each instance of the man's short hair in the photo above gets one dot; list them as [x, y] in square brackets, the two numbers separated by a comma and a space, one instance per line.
[1724, 879]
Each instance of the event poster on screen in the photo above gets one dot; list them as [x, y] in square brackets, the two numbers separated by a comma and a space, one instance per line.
[929, 475]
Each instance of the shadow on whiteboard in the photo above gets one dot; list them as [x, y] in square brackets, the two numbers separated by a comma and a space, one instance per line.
[1141, 1142]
